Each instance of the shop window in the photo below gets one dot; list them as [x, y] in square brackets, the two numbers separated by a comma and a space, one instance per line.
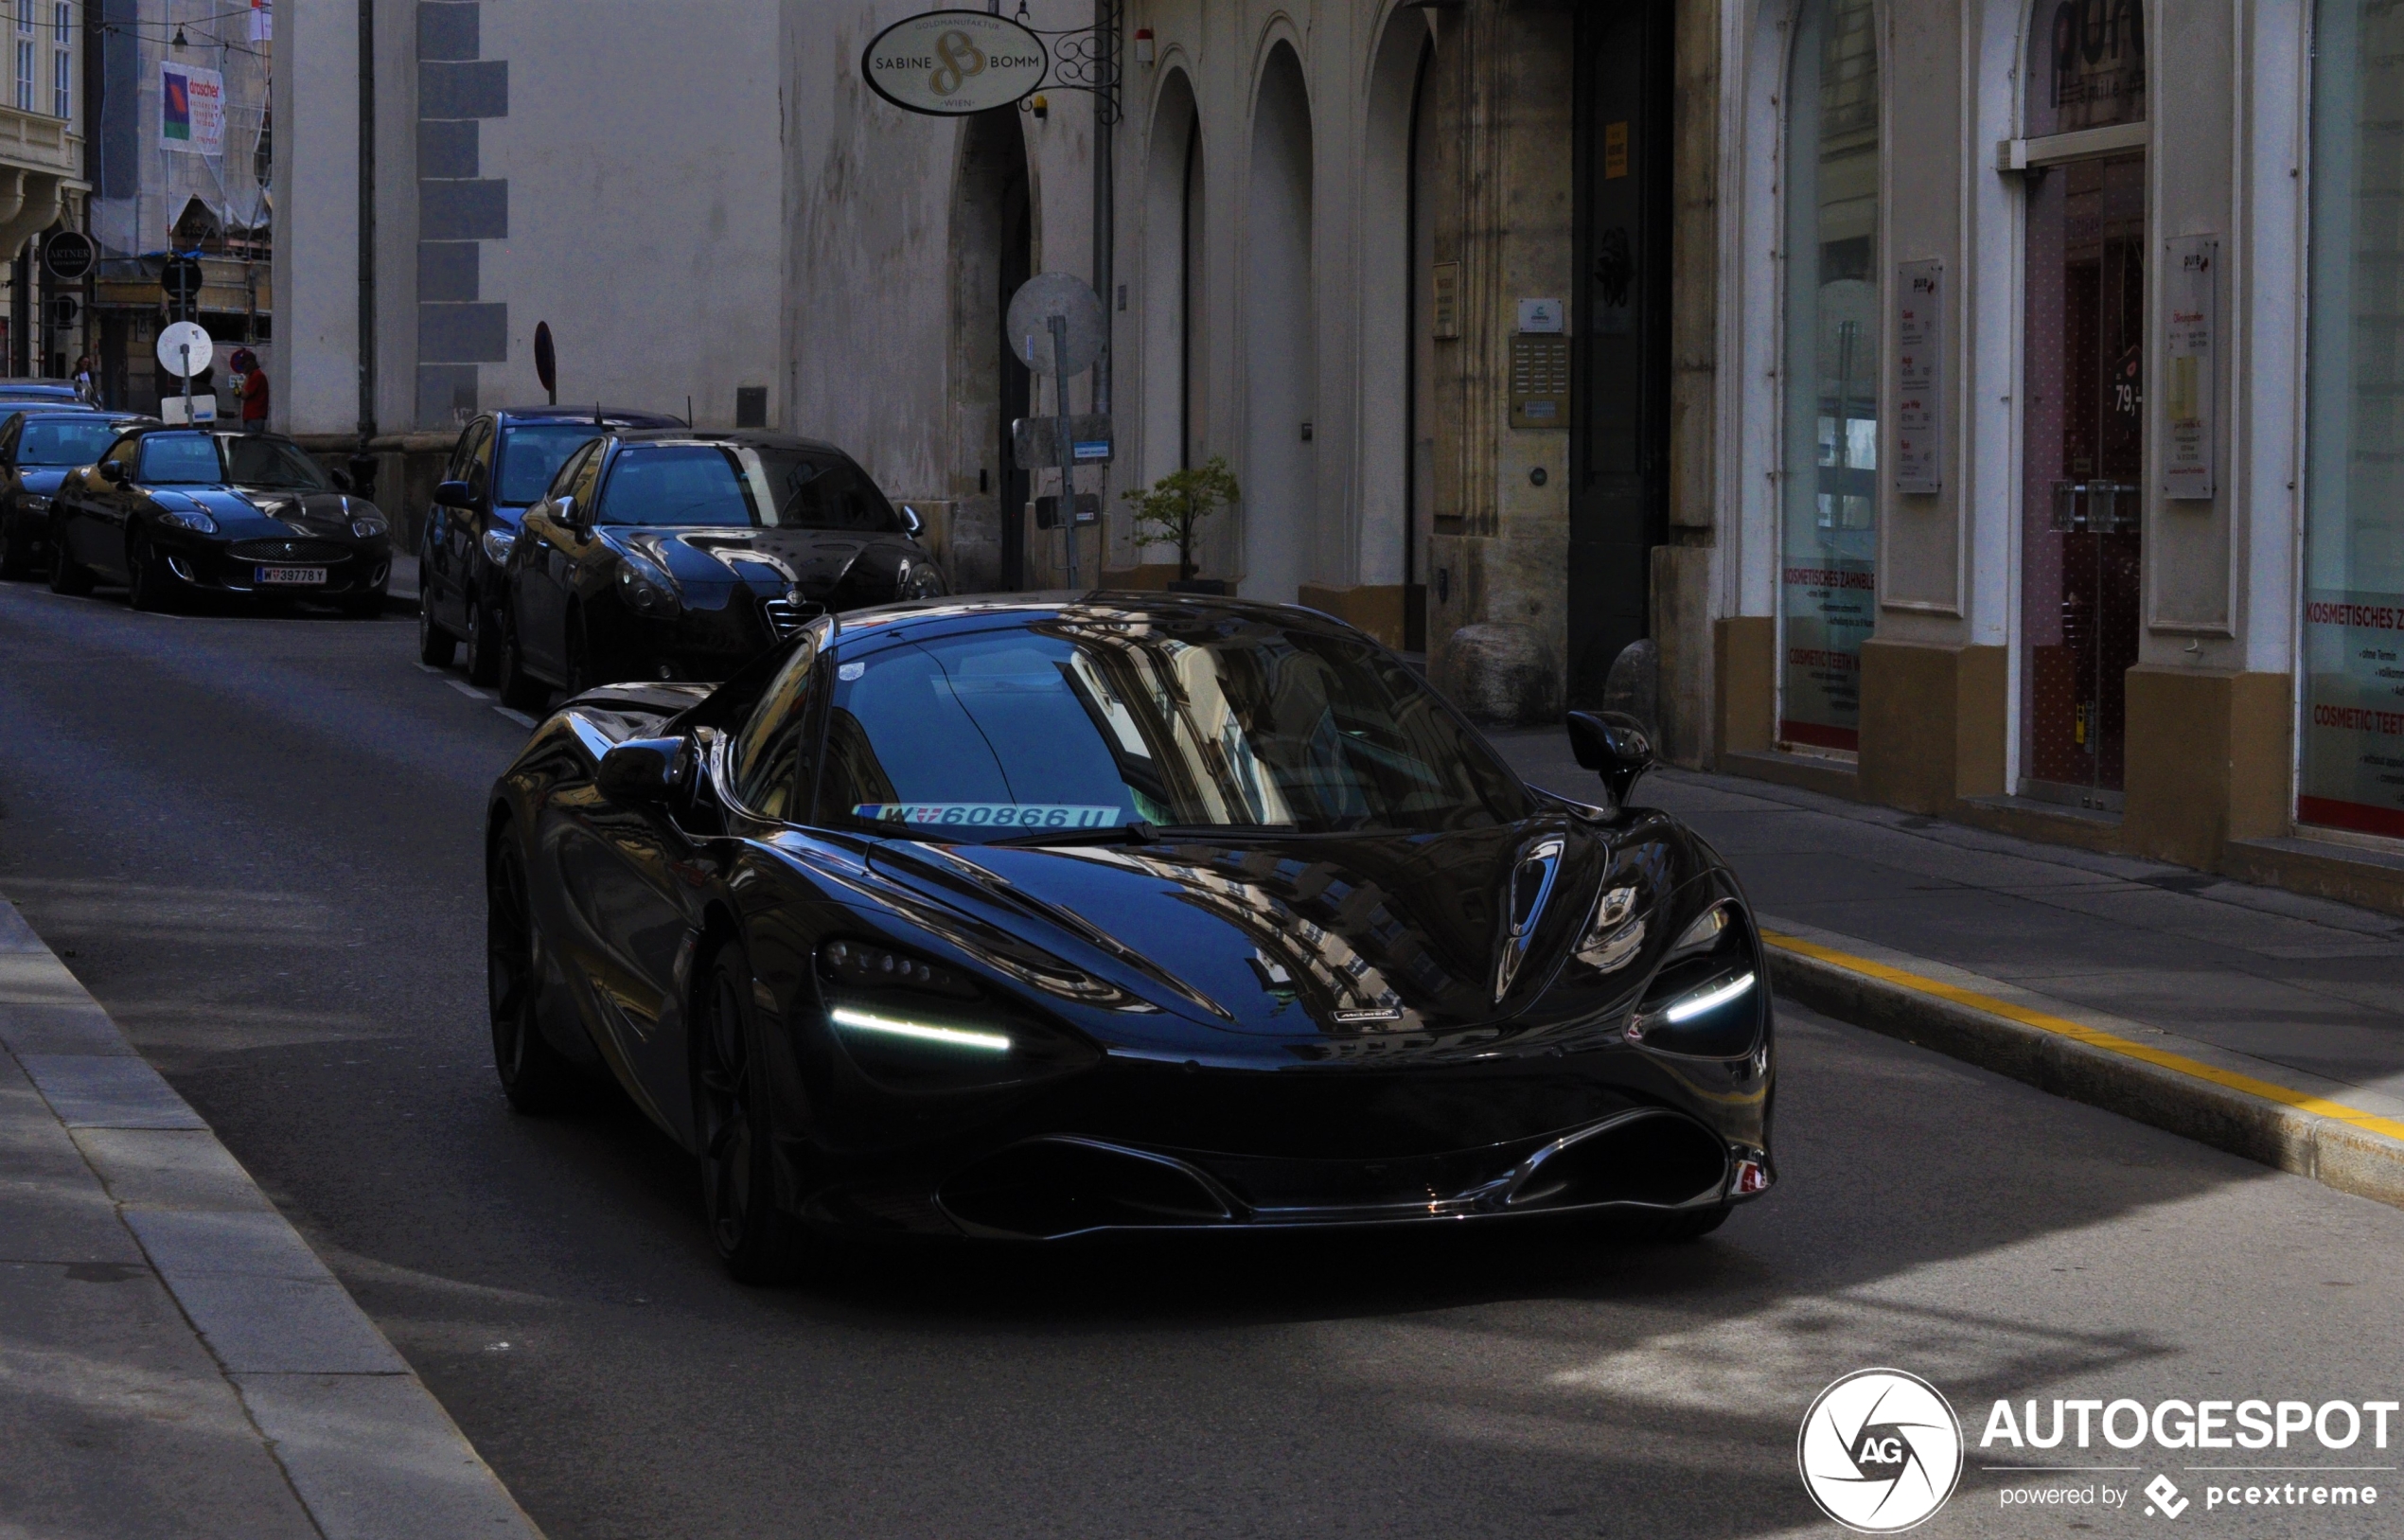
[2083, 408]
[1828, 553]
[2353, 768]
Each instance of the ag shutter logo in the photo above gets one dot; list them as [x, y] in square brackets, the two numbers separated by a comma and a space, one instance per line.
[1880, 1451]
[2166, 1500]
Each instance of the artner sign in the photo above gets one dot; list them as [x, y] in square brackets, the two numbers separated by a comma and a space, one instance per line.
[951, 62]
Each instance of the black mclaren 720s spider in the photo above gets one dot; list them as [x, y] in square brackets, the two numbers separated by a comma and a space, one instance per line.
[1035, 916]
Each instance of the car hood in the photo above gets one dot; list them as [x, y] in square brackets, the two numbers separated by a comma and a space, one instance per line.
[1335, 935]
[241, 513]
[771, 560]
[43, 480]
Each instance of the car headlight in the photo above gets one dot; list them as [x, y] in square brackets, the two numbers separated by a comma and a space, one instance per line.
[645, 587]
[192, 519]
[918, 580]
[366, 526]
[913, 1025]
[497, 543]
[1705, 998]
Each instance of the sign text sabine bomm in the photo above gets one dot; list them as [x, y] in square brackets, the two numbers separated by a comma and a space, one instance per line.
[952, 63]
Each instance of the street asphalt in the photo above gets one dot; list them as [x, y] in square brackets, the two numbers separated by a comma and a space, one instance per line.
[254, 839]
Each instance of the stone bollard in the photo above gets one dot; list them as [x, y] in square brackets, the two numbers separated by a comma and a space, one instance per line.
[1500, 674]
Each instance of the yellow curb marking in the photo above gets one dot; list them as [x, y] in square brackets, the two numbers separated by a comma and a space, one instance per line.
[2109, 1042]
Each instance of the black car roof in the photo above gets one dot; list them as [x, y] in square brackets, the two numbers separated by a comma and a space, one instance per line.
[920, 619]
[610, 416]
[759, 437]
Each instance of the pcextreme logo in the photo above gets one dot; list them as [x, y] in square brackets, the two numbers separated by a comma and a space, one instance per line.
[1880, 1451]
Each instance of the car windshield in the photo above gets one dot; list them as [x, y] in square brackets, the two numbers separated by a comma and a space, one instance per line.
[532, 453]
[181, 459]
[265, 462]
[742, 484]
[1106, 721]
[64, 440]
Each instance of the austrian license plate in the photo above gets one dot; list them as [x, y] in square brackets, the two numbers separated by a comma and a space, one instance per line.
[292, 577]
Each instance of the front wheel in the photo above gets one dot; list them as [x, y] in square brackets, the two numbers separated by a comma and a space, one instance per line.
[15, 560]
[734, 1119]
[534, 1076]
[484, 656]
[67, 575]
[152, 585]
[519, 690]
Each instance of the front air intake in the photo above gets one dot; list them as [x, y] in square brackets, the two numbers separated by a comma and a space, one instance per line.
[1652, 1158]
[1048, 1188]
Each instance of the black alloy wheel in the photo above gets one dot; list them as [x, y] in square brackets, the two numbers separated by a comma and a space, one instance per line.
[734, 1125]
[582, 676]
[519, 690]
[15, 560]
[435, 647]
[534, 1076]
[150, 585]
[483, 657]
[67, 575]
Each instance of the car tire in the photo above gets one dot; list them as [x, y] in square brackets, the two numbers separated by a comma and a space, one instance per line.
[535, 1075]
[519, 690]
[484, 656]
[15, 561]
[435, 647]
[734, 1125]
[151, 586]
[67, 575]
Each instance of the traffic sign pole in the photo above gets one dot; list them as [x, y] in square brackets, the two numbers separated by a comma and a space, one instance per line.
[1067, 440]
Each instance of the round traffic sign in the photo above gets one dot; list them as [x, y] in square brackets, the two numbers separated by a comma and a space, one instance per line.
[949, 63]
[181, 277]
[1070, 298]
[68, 255]
[184, 348]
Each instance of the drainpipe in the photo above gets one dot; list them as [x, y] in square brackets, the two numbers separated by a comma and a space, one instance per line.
[362, 463]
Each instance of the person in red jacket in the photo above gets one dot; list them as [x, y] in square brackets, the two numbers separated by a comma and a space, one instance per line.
[250, 383]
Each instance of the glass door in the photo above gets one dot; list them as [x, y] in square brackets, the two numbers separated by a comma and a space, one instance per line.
[2084, 463]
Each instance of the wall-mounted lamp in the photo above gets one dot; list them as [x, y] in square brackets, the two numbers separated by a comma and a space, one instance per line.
[1144, 54]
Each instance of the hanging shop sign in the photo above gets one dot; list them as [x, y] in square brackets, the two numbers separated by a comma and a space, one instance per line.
[68, 255]
[192, 108]
[2189, 290]
[1920, 377]
[946, 64]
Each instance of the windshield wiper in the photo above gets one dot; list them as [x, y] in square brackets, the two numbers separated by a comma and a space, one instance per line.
[1137, 833]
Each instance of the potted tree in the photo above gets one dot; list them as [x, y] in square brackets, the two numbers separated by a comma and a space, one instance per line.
[1173, 508]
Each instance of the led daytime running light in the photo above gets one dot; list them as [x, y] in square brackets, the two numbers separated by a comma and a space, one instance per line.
[1710, 999]
[988, 1042]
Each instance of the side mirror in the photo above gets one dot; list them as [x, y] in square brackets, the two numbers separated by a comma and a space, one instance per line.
[113, 471]
[341, 480]
[563, 511]
[1614, 746]
[911, 522]
[642, 773]
[455, 494]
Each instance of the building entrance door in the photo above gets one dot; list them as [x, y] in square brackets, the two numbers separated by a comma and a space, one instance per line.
[2081, 543]
[1619, 392]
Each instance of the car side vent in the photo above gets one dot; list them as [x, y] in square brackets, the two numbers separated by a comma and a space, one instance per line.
[785, 616]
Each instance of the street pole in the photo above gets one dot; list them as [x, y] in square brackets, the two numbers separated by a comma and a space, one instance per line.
[1106, 105]
[1068, 443]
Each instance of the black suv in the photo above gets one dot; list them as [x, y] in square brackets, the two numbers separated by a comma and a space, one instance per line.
[502, 461]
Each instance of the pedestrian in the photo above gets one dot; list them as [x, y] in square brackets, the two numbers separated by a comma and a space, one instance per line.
[250, 385]
[87, 383]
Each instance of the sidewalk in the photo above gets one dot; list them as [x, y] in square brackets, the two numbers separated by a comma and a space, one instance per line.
[2253, 1019]
[174, 1360]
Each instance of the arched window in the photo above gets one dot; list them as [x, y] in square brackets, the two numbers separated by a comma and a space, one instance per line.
[1829, 571]
[2354, 510]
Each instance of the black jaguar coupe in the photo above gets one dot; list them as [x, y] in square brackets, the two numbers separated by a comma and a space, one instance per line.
[1033, 918]
[172, 512]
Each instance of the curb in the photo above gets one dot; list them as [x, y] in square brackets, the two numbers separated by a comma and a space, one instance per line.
[2339, 1145]
[367, 1449]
